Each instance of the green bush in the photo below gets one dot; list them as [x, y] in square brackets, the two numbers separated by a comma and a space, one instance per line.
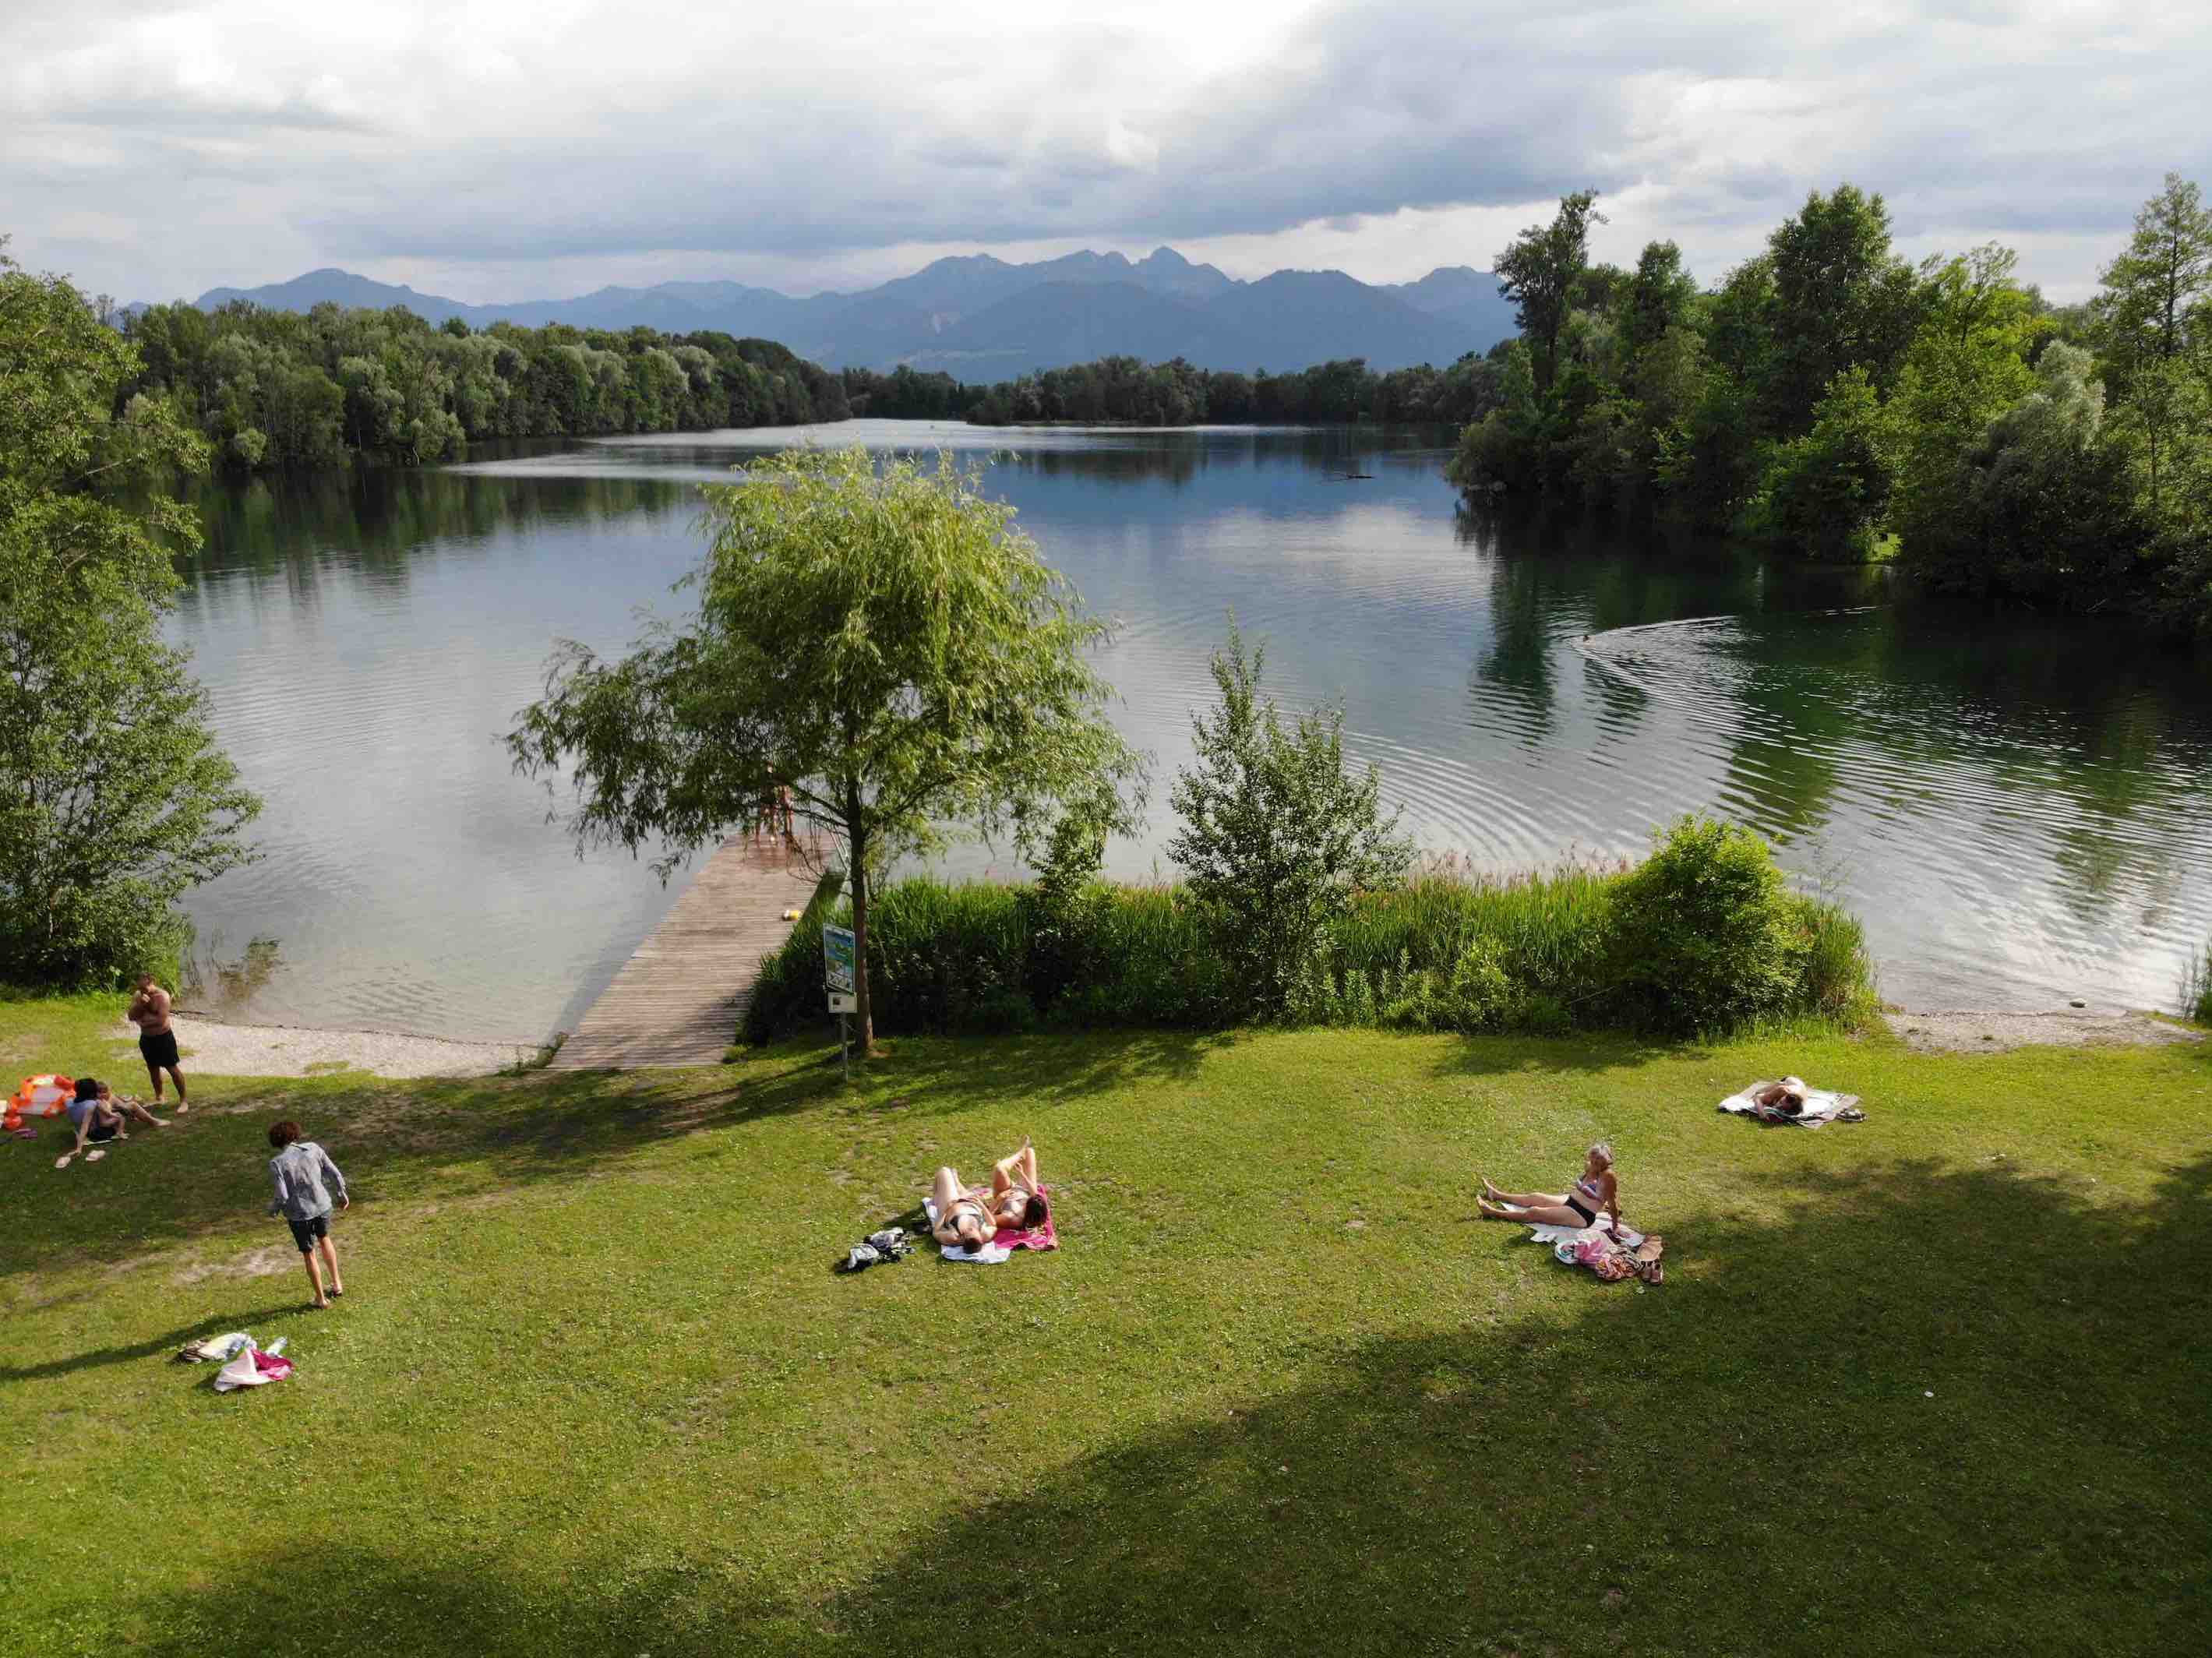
[1706, 935]
[1702, 937]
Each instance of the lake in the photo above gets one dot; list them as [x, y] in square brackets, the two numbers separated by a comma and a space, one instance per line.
[2020, 809]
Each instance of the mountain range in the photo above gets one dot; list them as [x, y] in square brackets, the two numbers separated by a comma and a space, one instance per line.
[982, 318]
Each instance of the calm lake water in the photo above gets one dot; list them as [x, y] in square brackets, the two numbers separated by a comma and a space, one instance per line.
[2020, 811]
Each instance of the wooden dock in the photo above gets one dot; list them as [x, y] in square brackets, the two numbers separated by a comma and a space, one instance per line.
[677, 999]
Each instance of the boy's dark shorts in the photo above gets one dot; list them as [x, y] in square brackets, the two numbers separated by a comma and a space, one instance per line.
[159, 1049]
[103, 1130]
[305, 1232]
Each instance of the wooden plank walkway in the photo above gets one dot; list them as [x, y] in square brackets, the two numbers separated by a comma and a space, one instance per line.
[677, 999]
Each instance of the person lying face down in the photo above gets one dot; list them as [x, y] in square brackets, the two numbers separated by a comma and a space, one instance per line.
[1780, 1097]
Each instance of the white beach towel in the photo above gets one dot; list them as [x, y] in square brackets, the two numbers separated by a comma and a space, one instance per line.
[1822, 1104]
[1628, 1235]
[989, 1255]
[241, 1372]
[1542, 1234]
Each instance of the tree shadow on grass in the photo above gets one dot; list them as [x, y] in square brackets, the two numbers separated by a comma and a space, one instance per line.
[154, 1346]
[1932, 1411]
[439, 1140]
[1935, 1411]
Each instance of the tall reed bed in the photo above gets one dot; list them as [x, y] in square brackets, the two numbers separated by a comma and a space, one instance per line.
[1583, 947]
[2196, 986]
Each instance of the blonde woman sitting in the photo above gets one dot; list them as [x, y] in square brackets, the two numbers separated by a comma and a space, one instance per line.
[1595, 1192]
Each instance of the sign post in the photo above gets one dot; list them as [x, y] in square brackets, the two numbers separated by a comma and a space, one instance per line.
[837, 975]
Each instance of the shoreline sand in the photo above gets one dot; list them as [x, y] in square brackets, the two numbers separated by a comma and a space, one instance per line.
[217, 1048]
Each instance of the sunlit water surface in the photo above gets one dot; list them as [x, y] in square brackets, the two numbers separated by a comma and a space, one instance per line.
[2017, 809]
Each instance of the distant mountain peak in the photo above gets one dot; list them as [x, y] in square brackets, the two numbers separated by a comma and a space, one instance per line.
[975, 314]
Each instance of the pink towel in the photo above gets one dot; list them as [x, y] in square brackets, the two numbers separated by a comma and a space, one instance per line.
[275, 1366]
[1037, 1237]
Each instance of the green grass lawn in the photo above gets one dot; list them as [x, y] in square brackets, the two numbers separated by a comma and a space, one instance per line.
[1935, 1383]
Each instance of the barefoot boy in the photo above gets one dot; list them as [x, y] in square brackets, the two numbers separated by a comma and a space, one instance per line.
[299, 1167]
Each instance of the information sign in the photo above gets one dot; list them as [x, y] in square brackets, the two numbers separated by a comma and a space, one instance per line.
[837, 959]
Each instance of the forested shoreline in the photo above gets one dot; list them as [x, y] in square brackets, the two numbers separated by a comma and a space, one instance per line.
[1830, 400]
[1128, 390]
[1825, 400]
[272, 389]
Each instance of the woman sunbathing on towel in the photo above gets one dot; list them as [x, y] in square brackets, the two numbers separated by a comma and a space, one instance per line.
[1596, 1192]
[1017, 1201]
[1014, 1202]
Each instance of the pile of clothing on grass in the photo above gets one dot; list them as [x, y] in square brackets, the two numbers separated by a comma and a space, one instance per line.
[1614, 1256]
[892, 1243]
[245, 1364]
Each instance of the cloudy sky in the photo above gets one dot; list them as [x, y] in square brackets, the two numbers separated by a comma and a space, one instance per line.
[506, 150]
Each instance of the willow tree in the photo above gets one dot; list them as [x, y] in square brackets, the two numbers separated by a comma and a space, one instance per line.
[877, 638]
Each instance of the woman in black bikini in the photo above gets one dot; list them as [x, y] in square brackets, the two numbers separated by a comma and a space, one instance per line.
[1595, 1192]
[1014, 1202]
[963, 1222]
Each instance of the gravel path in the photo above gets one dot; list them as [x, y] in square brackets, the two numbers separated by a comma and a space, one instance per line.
[1992, 1033]
[273, 1050]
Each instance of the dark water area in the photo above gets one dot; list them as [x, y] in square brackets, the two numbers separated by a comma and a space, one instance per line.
[2018, 808]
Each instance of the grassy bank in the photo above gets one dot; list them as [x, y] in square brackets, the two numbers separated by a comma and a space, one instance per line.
[1704, 935]
[1931, 1383]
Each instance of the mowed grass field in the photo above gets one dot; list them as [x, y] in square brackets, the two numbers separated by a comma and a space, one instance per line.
[1937, 1382]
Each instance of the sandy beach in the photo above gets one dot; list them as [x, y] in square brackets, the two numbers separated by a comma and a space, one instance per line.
[212, 1048]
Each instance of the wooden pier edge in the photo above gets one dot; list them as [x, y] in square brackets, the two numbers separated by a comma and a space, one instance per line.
[677, 999]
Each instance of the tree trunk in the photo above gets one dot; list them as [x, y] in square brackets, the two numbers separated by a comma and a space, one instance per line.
[864, 1005]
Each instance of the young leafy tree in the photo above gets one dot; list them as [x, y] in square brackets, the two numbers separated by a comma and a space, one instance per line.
[1967, 365]
[1538, 272]
[1661, 295]
[2152, 290]
[1275, 835]
[1841, 300]
[881, 641]
[114, 796]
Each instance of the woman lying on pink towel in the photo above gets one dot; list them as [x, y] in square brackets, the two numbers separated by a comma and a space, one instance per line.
[1016, 1202]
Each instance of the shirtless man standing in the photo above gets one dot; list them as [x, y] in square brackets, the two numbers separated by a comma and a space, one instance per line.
[157, 1041]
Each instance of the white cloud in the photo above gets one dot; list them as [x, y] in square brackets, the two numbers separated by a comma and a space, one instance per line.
[514, 149]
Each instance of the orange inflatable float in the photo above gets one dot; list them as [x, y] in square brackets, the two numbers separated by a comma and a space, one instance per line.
[39, 1096]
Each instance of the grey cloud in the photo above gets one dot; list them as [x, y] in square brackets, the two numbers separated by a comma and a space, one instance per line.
[1963, 114]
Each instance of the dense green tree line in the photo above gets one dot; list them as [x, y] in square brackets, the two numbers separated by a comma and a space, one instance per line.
[277, 388]
[1175, 393]
[1829, 398]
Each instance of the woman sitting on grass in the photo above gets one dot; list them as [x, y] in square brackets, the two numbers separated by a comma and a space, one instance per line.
[966, 1221]
[97, 1115]
[1595, 1192]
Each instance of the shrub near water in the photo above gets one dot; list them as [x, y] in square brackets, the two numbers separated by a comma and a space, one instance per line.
[1702, 937]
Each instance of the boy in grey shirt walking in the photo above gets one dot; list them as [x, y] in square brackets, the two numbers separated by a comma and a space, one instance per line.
[300, 1169]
